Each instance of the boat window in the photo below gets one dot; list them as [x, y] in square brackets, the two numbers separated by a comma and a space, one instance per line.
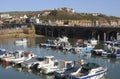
[78, 45]
[94, 51]
[118, 51]
[85, 71]
[90, 65]
[52, 59]
[48, 41]
[40, 59]
[111, 44]
[84, 45]
[69, 65]
[86, 67]
[116, 45]
[22, 55]
[47, 61]
[56, 64]
[73, 69]
[107, 43]
[6, 54]
[26, 55]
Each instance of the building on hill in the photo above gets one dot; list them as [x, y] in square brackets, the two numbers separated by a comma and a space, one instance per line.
[5, 16]
[96, 14]
[114, 23]
[46, 12]
[66, 9]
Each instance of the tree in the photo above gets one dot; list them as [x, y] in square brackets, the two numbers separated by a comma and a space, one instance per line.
[53, 13]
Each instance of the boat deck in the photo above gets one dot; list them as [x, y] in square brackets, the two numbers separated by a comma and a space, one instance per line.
[34, 59]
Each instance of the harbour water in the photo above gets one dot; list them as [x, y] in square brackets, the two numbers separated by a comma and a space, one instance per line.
[10, 72]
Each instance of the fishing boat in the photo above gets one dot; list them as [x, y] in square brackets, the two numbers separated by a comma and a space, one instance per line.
[22, 41]
[113, 53]
[88, 71]
[111, 44]
[7, 55]
[98, 52]
[71, 67]
[18, 57]
[38, 62]
[59, 42]
[32, 62]
[26, 56]
[57, 66]
[112, 49]
[93, 42]
[47, 62]
[47, 43]
[65, 46]
[83, 48]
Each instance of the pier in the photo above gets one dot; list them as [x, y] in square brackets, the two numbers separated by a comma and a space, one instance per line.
[99, 33]
[83, 32]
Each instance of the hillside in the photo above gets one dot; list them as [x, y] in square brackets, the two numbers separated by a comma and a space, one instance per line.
[54, 14]
[64, 15]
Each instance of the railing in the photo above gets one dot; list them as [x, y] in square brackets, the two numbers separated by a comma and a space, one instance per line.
[17, 26]
[80, 25]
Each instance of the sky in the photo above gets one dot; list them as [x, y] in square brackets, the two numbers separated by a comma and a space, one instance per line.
[108, 7]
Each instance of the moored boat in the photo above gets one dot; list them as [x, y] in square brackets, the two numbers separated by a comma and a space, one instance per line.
[61, 65]
[83, 48]
[22, 41]
[89, 71]
[32, 62]
[17, 57]
[93, 42]
[98, 52]
[70, 67]
[59, 42]
[48, 61]
[114, 53]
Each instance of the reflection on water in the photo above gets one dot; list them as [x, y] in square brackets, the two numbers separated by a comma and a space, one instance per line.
[23, 45]
[14, 72]
[20, 73]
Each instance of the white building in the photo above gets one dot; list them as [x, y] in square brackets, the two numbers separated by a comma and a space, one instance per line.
[66, 9]
[5, 16]
[23, 17]
[113, 23]
[37, 21]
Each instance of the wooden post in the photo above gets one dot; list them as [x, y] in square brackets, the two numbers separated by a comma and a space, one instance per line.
[104, 36]
[45, 31]
[98, 37]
